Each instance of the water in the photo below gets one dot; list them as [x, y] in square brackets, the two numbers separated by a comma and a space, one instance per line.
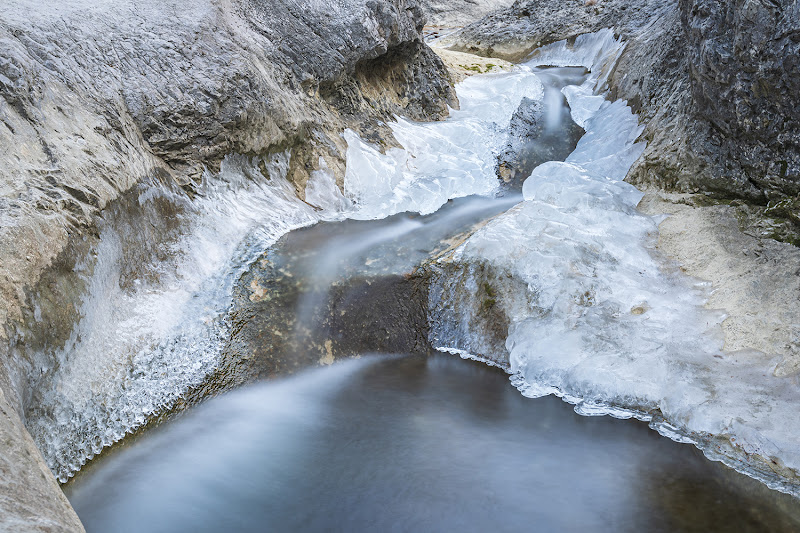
[595, 316]
[592, 314]
[413, 444]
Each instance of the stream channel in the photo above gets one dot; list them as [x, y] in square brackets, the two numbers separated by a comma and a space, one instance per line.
[397, 436]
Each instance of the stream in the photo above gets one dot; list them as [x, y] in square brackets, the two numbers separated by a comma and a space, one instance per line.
[414, 444]
[552, 278]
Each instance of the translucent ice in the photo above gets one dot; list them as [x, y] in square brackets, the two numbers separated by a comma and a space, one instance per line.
[138, 348]
[439, 160]
[605, 323]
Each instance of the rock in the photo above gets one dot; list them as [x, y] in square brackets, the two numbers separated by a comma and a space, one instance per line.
[760, 322]
[471, 304]
[513, 33]
[454, 13]
[462, 65]
[30, 498]
[539, 132]
[744, 79]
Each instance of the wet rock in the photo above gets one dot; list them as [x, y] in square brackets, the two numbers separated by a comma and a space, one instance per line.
[342, 289]
[471, 305]
[531, 141]
[378, 314]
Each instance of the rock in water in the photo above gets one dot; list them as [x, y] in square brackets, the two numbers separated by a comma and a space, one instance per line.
[531, 142]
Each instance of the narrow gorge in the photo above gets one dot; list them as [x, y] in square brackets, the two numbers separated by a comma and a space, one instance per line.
[265, 264]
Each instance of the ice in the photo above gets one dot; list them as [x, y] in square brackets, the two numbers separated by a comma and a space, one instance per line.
[439, 160]
[139, 348]
[605, 322]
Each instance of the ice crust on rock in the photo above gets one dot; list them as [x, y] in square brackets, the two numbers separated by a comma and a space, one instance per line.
[609, 326]
[137, 350]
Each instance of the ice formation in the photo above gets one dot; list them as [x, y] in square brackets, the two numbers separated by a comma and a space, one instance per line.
[605, 323]
[439, 160]
[137, 349]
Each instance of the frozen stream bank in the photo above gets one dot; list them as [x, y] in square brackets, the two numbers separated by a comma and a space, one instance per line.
[562, 290]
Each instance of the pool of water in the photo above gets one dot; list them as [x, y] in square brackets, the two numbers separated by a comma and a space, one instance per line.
[413, 444]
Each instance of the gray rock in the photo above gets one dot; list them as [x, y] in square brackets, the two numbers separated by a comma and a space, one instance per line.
[533, 138]
[513, 33]
[744, 59]
[454, 13]
[30, 498]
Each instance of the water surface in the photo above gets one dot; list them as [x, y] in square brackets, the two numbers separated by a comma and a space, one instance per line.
[413, 444]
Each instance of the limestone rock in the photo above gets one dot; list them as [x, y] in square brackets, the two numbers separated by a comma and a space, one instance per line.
[30, 498]
[453, 13]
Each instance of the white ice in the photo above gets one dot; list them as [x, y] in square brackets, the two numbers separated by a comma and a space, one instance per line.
[610, 326]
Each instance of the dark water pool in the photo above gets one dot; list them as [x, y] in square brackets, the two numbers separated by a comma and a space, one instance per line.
[413, 444]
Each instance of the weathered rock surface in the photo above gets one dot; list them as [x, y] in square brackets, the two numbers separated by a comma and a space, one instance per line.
[30, 498]
[450, 13]
[513, 33]
[97, 98]
[756, 280]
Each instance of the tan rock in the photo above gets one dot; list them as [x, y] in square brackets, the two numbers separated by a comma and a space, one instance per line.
[30, 498]
[755, 280]
[462, 65]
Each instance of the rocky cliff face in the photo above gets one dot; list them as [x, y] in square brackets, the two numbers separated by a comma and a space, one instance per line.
[454, 13]
[744, 60]
[97, 98]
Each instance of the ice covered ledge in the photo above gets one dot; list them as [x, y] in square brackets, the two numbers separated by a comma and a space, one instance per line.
[707, 363]
[755, 279]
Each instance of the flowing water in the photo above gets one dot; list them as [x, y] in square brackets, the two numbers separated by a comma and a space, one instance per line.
[414, 444]
[593, 316]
